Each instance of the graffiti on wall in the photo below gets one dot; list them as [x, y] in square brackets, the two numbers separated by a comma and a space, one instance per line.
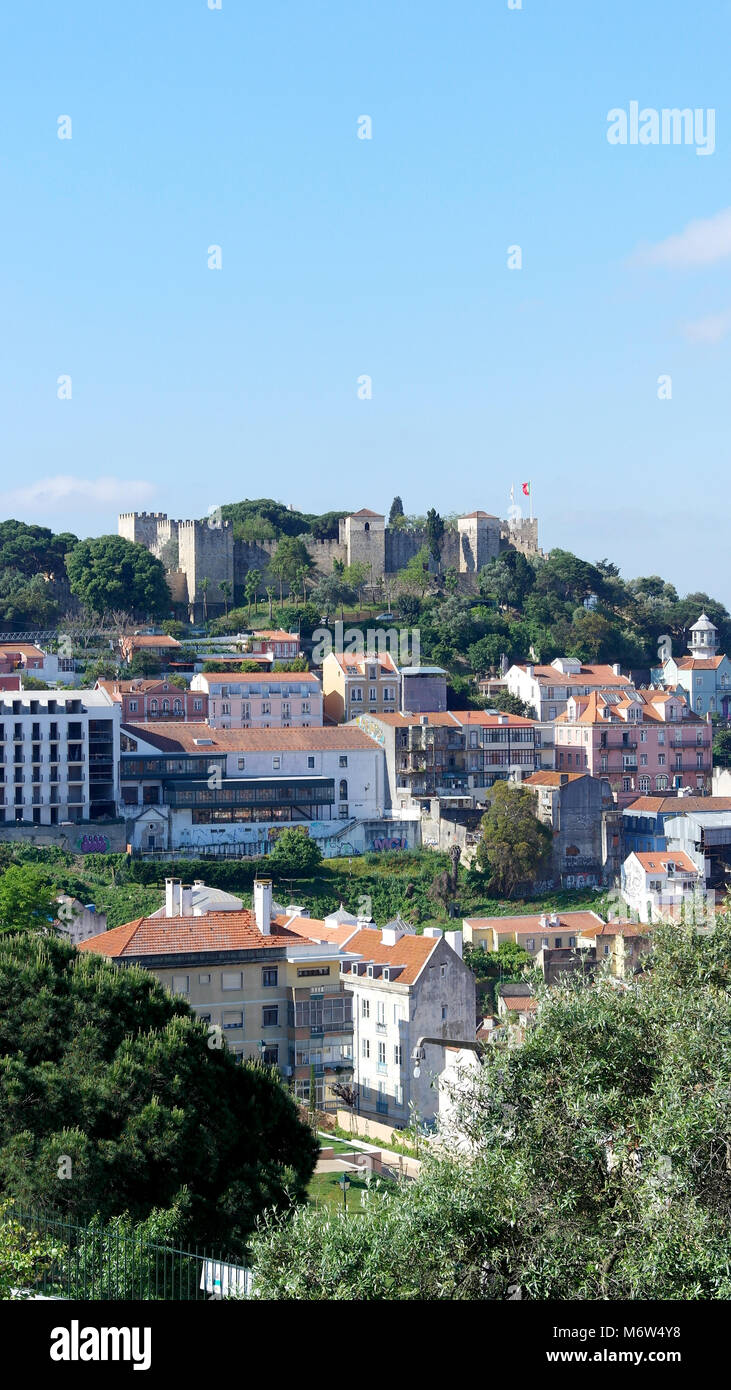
[93, 844]
[385, 842]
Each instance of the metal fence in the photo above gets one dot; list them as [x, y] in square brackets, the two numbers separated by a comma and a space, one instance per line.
[116, 1263]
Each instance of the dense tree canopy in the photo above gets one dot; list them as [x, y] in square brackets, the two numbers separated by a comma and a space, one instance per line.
[110, 573]
[515, 846]
[599, 1160]
[295, 853]
[100, 1066]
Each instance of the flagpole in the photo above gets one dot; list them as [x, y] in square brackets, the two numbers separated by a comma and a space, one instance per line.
[531, 501]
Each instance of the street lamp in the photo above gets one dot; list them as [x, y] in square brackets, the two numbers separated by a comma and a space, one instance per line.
[345, 1184]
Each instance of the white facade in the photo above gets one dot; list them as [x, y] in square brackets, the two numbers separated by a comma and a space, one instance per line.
[59, 757]
[662, 883]
[549, 688]
[276, 700]
[389, 1016]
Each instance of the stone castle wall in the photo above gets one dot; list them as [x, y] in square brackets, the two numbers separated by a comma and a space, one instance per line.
[209, 551]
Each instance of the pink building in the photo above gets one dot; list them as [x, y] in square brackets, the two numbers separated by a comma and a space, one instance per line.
[260, 699]
[280, 646]
[643, 741]
[146, 700]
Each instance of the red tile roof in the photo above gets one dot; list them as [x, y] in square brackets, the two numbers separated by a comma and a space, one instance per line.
[679, 804]
[149, 640]
[270, 677]
[364, 511]
[699, 663]
[552, 779]
[507, 926]
[588, 675]
[354, 665]
[658, 860]
[413, 952]
[178, 737]
[162, 936]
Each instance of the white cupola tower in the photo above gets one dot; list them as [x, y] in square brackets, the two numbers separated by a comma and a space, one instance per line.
[703, 638]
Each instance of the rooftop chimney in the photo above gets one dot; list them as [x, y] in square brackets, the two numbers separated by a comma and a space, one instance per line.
[172, 897]
[432, 931]
[530, 670]
[263, 905]
[186, 902]
[454, 939]
[615, 668]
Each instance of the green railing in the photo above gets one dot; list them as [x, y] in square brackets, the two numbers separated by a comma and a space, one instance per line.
[119, 1263]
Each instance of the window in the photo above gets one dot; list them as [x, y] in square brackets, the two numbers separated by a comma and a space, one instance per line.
[372, 693]
[444, 1012]
[443, 971]
[204, 979]
[572, 941]
[381, 1054]
[270, 1056]
[356, 695]
[558, 942]
[266, 707]
[343, 760]
[133, 706]
[310, 762]
[365, 1048]
[276, 760]
[365, 1008]
[270, 1016]
[241, 764]
[269, 976]
[626, 784]
[232, 979]
[643, 760]
[398, 1054]
[313, 970]
[181, 984]
[530, 944]
[197, 706]
[343, 789]
[381, 1011]
[661, 759]
[643, 735]
[232, 1018]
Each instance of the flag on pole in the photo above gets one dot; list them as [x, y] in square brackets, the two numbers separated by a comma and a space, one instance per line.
[512, 492]
[526, 489]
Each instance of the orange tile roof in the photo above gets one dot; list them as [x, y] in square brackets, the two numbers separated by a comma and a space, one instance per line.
[453, 719]
[679, 804]
[315, 930]
[471, 516]
[552, 779]
[20, 649]
[507, 926]
[149, 640]
[588, 675]
[365, 511]
[412, 952]
[275, 635]
[162, 936]
[699, 663]
[657, 860]
[353, 664]
[177, 737]
[618, 929]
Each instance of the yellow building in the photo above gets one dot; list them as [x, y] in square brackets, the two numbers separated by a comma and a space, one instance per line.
[263, 990]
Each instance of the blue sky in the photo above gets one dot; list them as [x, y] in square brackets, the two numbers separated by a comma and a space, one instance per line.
[387, 257]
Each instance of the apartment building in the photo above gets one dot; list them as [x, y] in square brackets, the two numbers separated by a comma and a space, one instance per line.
[534, 932]
[458, 753]
[549, 688]
[404, 987]
[353, 685]
[643, 741]
[260, 699]
[154, 700]
[193, 787]
[156, 644]
[28, 659]
[263, 990]
[59, 757]
[274, 644]
[661, 883]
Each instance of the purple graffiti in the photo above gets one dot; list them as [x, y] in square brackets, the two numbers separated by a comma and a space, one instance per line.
[382, 842]
[93, 844]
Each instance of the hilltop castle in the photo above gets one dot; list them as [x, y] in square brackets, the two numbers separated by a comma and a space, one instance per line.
[196, 551]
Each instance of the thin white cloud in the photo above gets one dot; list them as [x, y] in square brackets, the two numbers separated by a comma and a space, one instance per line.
[704, 241]
[87, 494]
[711, 329]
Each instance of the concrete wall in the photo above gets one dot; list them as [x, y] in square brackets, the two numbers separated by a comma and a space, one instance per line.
[85, 837]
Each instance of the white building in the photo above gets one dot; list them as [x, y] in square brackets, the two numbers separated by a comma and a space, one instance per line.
[232, 791]
[261, 699]
[78, 922]
[549, 688]
[404, 987]
[59, 757]
[661, 883]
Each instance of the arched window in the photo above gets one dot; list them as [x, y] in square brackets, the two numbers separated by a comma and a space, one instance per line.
[661, 784]
[177, 706]
[644, 784]
[367, 526]
[699, 703]
[343, 789]
[166, 706]
[153, 706]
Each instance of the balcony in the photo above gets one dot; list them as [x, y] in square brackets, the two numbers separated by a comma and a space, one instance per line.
[381, 1027]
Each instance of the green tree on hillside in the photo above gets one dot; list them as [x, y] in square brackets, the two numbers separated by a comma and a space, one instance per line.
[515, 846]
[110, 573]
[27, 900]
[295, 853]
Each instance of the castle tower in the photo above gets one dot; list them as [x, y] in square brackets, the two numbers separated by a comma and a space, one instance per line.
[364, 536]
[479, 540]
[206, 552]
[703, 639]
[141, 527]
